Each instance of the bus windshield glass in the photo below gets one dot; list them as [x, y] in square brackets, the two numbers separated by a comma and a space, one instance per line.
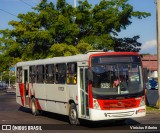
[116, 76]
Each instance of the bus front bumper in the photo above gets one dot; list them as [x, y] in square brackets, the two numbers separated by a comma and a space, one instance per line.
[97, 115]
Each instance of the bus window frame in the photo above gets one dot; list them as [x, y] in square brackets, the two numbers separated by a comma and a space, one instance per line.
[71, 74]
[58, 74]
[48, 80]
[32, 74]
[40, 74]
[19, 75]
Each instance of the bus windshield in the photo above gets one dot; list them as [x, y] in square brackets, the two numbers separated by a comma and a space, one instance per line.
[116, 79]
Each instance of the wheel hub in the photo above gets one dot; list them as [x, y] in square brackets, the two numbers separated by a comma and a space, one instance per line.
[73, 114]
[33, 107]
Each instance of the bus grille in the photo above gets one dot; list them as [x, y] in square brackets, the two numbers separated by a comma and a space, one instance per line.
[120, 114]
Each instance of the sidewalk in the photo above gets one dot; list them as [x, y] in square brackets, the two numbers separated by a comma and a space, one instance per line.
[11, 90]
[2, 92]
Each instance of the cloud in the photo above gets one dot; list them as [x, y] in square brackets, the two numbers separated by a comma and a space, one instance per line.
[149, 47]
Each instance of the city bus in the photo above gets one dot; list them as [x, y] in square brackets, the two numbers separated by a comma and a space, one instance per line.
[94, 86]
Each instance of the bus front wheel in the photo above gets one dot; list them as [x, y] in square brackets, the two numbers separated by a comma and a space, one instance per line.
[34, 107]
[73, 115]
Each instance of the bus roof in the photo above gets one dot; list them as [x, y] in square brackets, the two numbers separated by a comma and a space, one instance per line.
[74, 58]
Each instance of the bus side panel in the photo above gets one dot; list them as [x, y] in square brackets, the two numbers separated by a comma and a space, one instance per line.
[72, 91]
[50, 96]
[20, 94]
[40, 95]
[56, 98]
[51, 106]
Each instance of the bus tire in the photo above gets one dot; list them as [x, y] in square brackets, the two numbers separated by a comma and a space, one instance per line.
[73, 115]
[34, 109]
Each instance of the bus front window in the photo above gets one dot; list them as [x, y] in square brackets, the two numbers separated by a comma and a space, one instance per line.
[116, 79]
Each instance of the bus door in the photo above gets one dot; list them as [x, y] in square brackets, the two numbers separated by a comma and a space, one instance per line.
[26, 87]
[84, 92]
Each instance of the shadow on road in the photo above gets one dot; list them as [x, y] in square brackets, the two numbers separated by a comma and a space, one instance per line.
[109, 124]
[46, 114]
[56, 116]
[26, 110]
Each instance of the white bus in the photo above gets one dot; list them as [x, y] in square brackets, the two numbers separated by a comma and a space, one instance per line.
[93, 86]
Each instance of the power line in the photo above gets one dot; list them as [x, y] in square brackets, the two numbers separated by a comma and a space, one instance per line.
[26, 3]
[8, 12]
[12, 13]
[34, 2]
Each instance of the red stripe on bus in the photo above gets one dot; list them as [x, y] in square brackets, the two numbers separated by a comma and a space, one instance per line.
[21, 90]
[112, 53]
[29, 94]
[38, 105]
[90, 86]
[119, 104]
[90, 95]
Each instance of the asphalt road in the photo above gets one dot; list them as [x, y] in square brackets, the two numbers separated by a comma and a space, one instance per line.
[21, 119]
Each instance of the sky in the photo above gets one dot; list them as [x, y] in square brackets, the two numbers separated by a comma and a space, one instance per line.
[145, 28]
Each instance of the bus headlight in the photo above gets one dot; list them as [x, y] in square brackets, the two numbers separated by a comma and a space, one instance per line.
[142, 102]
[96, 104]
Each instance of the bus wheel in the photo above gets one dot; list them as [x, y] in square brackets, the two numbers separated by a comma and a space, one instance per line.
[34, 107]
[73, 115]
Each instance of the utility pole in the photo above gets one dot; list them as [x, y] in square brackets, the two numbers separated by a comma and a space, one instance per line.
[158, 45]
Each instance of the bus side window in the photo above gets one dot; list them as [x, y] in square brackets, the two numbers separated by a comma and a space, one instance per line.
[19, 74]
[72, 73]
[49, 73]
[61, 73]
[40, 74]
[32, 74]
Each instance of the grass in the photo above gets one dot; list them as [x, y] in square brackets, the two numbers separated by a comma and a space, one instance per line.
[151, 108]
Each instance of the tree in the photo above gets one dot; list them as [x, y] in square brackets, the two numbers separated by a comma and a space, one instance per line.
[68, 50]
[62, 50]
[60, 30]
[83, 47]
[127, 44]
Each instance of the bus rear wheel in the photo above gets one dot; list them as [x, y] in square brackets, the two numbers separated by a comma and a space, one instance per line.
[73, 115]
[34, 109]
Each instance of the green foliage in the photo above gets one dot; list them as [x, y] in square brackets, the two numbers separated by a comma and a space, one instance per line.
[150, 108]
[83, 47]
[68, 50]
[62, 30]
[127, 44]
[62, 50]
